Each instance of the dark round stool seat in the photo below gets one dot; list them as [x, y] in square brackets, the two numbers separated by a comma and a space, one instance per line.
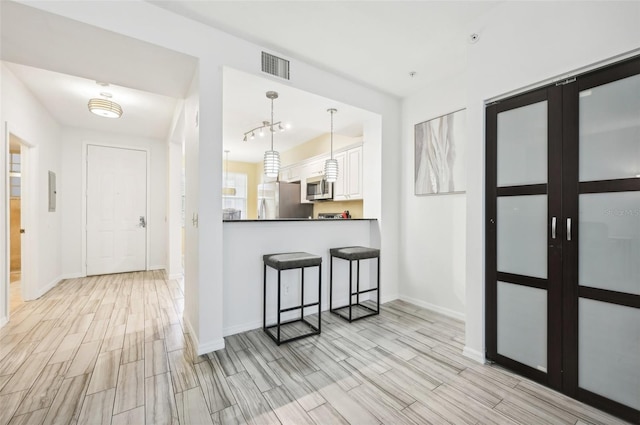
[291, 260]
[355, 253]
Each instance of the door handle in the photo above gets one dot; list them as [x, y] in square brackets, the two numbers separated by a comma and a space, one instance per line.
[143, 222]
[553, 227]
[568, 229]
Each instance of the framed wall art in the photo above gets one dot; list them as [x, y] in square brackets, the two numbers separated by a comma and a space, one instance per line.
[439, 155]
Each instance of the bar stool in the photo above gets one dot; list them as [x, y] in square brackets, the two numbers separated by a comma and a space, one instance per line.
[289, 261]
[351, 254]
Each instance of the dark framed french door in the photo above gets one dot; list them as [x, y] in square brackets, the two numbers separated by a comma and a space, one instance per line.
[563, 236]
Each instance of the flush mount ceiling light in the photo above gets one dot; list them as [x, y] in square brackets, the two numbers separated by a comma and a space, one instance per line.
[271, 157]
[103, 106]
[331, 165]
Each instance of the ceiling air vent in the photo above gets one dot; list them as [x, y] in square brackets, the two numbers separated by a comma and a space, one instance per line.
[275, 66]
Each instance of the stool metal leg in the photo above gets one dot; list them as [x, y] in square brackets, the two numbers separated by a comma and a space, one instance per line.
[279, 292]
[358, 282]
[350, 287]
[264, 300]
[319, 299]
[331, 284]
[378, 291]
[302, 295]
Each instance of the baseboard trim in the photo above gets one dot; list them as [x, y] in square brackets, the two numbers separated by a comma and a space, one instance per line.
[156, 268]
[236, 329]
[72, 276]
[211, 346]
[202, 349]
[175, 276]
[41, 291]
[442, 310]
[473, 354]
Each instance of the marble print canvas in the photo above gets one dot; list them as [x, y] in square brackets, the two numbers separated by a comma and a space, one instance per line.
[439, 154]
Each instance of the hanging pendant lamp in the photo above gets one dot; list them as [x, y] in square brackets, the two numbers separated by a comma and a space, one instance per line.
[226, 189]
[271, 157]
[331, 165]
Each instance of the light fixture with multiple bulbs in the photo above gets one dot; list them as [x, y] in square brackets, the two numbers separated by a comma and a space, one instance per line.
[251, 134]
[271, 157]
[104, 106]
[331, 165]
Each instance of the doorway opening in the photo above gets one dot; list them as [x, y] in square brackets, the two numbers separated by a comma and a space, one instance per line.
[16, 171]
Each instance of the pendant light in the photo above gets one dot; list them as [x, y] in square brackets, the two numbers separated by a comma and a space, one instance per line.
[331, 165]
[227, 190]
[271, 157]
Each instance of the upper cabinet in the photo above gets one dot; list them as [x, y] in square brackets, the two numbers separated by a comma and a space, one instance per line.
[292, 173]
[349, 183]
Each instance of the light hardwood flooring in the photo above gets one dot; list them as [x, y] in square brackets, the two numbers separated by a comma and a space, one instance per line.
[113, 350]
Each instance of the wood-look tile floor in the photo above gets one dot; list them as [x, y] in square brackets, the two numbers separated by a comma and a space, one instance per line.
[113, 350]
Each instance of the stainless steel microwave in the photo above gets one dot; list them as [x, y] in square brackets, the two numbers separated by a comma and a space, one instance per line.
[319, 189]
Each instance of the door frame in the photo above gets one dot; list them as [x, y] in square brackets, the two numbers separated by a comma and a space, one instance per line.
[85, 170]
[28, 220]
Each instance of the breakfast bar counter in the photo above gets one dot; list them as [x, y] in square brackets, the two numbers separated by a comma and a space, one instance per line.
[246, 241]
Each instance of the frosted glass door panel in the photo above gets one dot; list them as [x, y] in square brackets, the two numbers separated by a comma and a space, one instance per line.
[522, 324]
[522, 145]
[522, 235]
[609, 242]
[610, 131]
[609, 351]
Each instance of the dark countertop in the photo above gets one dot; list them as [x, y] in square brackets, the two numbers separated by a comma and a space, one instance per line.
[300, 219]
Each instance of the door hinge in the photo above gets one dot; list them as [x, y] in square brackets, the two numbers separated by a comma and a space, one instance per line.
[565, 82]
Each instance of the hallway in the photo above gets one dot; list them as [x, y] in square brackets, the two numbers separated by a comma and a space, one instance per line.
[112, 350]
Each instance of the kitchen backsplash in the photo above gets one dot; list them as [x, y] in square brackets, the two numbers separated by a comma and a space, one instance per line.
[354, 207]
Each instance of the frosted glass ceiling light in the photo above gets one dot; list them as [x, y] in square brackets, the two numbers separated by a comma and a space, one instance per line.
[271, 157]
[331, 165]
[105, 108]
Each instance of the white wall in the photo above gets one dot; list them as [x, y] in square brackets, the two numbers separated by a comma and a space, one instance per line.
[523, 44]
[30, 121]
[70, 196]
[215, 50]
[432, 228]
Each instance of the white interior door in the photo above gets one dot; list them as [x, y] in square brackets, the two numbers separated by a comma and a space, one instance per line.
[116, 210]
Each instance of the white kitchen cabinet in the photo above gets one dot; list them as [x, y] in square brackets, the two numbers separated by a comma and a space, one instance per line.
[290, 173]
[354, 171]
[340, 185]
[349, 183]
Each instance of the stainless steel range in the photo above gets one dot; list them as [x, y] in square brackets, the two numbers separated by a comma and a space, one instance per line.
[331, 216]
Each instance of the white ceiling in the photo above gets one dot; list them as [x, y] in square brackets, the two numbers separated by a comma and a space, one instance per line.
[60, 60]
[66, 97]
[375, 42]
